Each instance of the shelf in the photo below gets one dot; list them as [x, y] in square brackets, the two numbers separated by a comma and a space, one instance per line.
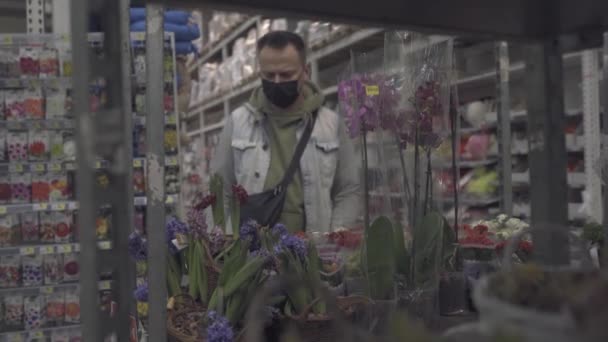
[472, 201]
[216, 47]
[573, 211]
[575, 179]
[48, 289]
[52, 81]
[140, 201]
[36, 207]
[48, 124]
[60, 248]
[21, 167]
[36, 334]
[140, 120]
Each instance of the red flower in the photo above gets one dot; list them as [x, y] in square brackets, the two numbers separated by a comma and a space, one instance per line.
[476, 236]
[205, 202]
[525, 246]
[240, 194]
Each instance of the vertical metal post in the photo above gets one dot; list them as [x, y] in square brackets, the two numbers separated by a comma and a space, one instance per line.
[61, 13]
[547, 158]
[504, 126]
[605, 128]
[35, 16]
[155, 157]
[591, 122]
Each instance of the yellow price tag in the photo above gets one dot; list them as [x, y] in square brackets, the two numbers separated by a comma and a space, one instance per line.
[37, 334]
[55, 167]
[47, 250]
[372, 90]
[7, 40]
[27, 251]
[104, 245]
[170, 200]
[172, 120]
[17, 168]
[2, 210]
[59, 206]
[172, 161]
[98, 165]
[64, 249]
[137, 163]
[41, 206]
[16, 337]
[105, 285]
[139, 36]
[38, 167]
[37, 125]
[47, 289]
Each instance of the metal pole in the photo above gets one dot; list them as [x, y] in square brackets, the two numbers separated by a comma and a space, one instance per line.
[35, 16]
[90, 315]
[591, 122]
[547, 157]
[605, 130]
[61, 13]
[504, 126]
[155, 157]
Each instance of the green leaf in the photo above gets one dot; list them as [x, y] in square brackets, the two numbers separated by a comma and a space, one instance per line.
[235, 216]
[428, 239]
[380, 259]
[216, 187]
[402, 258]
[245, 274]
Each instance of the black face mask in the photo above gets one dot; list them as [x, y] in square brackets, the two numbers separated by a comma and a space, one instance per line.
[281, 94]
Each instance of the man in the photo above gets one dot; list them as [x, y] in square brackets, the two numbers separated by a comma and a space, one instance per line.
[260, 137]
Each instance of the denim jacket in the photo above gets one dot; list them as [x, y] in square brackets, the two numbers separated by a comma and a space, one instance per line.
[329, 167]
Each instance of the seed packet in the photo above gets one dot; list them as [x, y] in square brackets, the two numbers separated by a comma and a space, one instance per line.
[58, 187]
[139, 141]
[33, 104]
[13, 312]
[10, 271]
[29, 61]
[17, 146]
[38, 145]
[53, 269]
[139, 181]
[56, 145]
[4, 62]
[140, 101]
[6, 230]
[169, 103]
[55, 308]
[172, 180]
[40, 187]
[47, 228]
[49, 63]
[55, 102]
[15, 230]
[170, 140]
[30, 228]
[65, 57]
[34, 312]
[13, 67]
[14, 105]
[62, 222]
[5, 190]
[139, 220]
[32, 270]
[71, 267]
[21, 185]
[3, 137]
[76, 336]
[103, 224]
[72, 307]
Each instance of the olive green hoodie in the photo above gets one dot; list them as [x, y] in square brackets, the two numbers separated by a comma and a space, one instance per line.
[282, 130]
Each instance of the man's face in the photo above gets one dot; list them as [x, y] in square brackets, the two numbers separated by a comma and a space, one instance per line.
[282, 65]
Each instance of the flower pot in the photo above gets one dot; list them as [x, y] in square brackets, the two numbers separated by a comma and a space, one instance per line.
[452, 294]
[473, 270]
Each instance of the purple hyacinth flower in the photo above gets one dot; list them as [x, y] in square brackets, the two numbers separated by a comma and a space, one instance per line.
[249, 233]
[141, 293]
[294, 244]
[173, 228]
[218, 328]
[138, 247]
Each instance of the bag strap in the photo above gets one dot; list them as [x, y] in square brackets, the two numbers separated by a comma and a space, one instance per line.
[297, 155]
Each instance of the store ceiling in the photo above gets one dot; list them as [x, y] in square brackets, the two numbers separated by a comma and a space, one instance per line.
[499, 18]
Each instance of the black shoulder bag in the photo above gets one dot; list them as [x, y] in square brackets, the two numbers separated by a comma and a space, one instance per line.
[266, 207]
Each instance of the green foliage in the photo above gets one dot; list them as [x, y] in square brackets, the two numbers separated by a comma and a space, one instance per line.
[379, 259]
[432, 249]
[402, 258]
[594, 233]
[216, 187]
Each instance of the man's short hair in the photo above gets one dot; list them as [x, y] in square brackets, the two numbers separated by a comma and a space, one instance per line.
[280, 40]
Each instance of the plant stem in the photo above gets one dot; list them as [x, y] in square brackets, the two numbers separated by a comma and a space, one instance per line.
[365, 179]
[406, 182]
[415, 205]
[428, 186]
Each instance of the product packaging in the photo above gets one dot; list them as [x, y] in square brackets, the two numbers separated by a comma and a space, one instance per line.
[34, 312]
[33, 104]
[172, 180]
[10, 271]
[55, 102]
[71, 267]
[3, 137]
[140, 220]
[21, 185]
[10, 59]
[55, 308]
[53, 269]
[65, 58]
[75, 336]
[72, 307]
[56, 145]
[103, 224]
[32, 270]
[40, 187]
[38, 145]
[17, 146]
[140, 101]
[49, 63]
[139, 181]
[4, 62]
[47, 228]
[6, 230]
[13, 312]
[14, 105]
[2, 108]
[63, 222]
[60, 336]
[30, 228]
[5, 190]
[29, 61]
[170, 140]
[59, 188]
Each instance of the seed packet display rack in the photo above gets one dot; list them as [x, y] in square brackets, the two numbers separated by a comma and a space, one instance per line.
[39, 249]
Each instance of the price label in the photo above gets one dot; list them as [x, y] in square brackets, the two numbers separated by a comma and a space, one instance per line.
[16, 168]
[27, 251]
[47, 289]
[170, 200]
[38, 167]
[104, 245]
[7, 40]
[64, 249]
[72, 205]
[372, 90]
[98, 165]
[172, 120]
[47, 250]
[55, 167]
[140, 201]
[70, 166]
[105, 285]
[77, 248]
[37, 334]
[137, 163]
[2, 210]
[41, 206]
[16, 337]
[59, 206]
[36, 124]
